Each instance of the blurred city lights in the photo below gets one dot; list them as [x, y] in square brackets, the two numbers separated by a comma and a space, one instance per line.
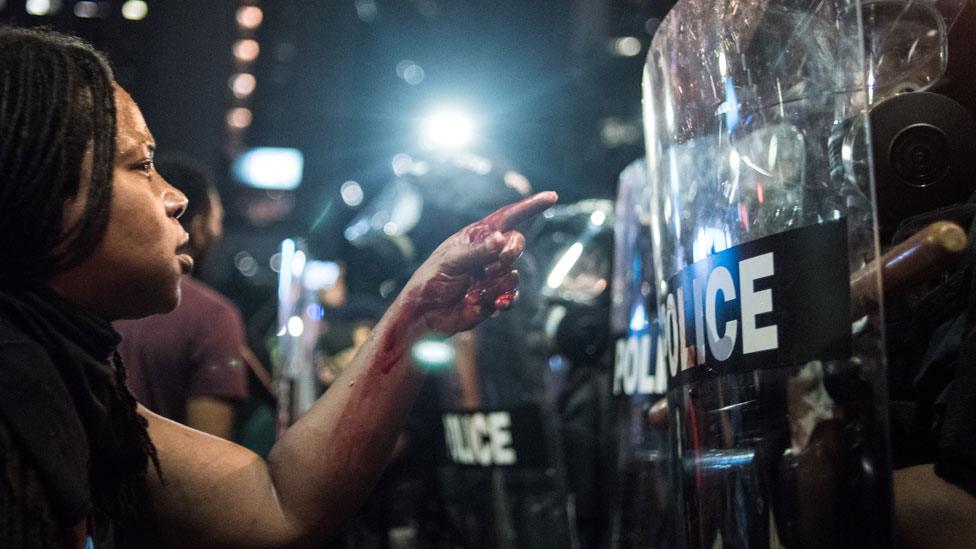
[277, 168]
[564, 265]
[246, 264]
[625, 46]
[352, 193]
[410, 72]
[239, 117]
[298, 263]
[598, 217]
[249, 17]
[402, 163]
[42, 7]
[517, 182]
[295, 326]
[320, 275]
[135, 10]
[246, 50]
[86, 10]
[275, 262]
[433, 353]
[472, 162]
[449, 129]
[366, 10]
[314, 311]
[242, 84]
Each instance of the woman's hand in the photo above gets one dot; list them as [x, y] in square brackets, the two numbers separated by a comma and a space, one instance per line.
[470, 275]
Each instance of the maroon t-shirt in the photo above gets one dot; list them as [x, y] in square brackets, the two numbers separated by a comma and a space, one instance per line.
[193, 351]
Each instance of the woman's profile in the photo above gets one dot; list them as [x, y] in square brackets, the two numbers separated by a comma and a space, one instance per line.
[89, 233]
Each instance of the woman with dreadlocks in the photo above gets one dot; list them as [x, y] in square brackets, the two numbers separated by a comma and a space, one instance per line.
[89, 234]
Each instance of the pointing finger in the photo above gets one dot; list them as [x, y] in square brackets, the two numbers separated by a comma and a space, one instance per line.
[507, 217]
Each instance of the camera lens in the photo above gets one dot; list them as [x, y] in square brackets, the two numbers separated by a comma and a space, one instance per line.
[920, 155]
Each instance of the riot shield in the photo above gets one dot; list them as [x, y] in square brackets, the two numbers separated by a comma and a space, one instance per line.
[501, 482]
[643, 504]
[540, 371]
[776, 382]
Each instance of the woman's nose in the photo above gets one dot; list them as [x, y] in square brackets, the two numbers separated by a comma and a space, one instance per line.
[175, 202]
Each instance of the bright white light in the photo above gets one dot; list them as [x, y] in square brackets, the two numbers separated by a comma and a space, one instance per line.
[298, 263]
[564, 265]
[352, 193]
[446, 130]
[598, 217]
[42, 7]
[247, 50]
[320, 275]
[431, 352]
[638, 321]
[249, 17]
[295, 326]
[277, 168]
[135, 10]
[626, 46]
[86, 10]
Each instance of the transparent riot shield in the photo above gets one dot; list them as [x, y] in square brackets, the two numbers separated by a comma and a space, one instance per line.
[501, 482]
[539, 372]
[643, 502]
[776, 382]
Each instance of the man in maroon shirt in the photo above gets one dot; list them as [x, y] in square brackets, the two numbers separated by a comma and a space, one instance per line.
[190, 365]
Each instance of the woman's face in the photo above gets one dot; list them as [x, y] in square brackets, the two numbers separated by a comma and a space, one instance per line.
[135, 269]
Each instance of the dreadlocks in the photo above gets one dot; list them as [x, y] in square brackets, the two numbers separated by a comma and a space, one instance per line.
[57, 115]
[56, 103]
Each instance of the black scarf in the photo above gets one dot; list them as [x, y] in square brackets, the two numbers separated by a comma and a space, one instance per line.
[62, 396]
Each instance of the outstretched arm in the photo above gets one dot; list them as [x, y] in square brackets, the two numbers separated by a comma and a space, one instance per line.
[219, 494]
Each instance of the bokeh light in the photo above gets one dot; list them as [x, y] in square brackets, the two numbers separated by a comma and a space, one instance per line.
[242, 84]
[239, 117]
[625, 46]
[352, 193]
[448, 129]
[42, 7]
[135, 10]
[86, 10]
[247, 50]
[249, 17]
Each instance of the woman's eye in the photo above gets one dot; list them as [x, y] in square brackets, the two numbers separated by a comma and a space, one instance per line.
[146, 166]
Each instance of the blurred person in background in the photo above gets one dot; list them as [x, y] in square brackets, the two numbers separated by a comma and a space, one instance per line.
[89, 234]
[190, 365]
